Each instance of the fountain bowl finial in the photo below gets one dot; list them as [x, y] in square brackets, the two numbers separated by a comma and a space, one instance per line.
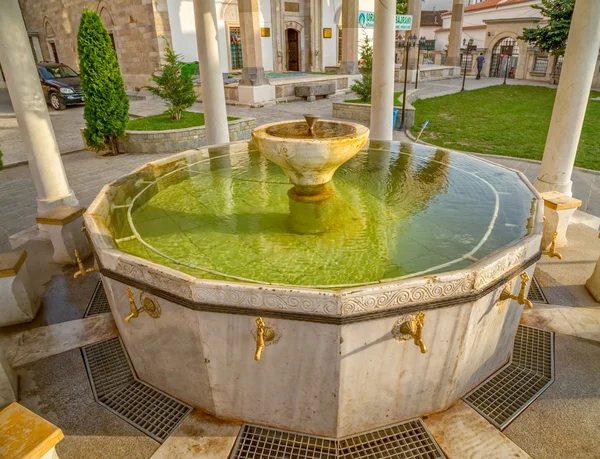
[310, 158]
[311, 120]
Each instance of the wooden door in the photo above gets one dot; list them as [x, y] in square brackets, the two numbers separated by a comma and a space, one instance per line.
[293, 50]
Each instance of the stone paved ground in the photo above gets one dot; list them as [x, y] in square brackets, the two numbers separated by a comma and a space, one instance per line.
[66, 125]
[88, 173]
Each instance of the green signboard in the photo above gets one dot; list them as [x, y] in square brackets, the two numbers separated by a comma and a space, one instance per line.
[366, 20]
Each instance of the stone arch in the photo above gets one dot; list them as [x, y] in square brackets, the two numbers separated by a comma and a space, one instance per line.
[520, 52]
[229, 11]
[48, 29]
[337, 17]
[103, 11]
[294, 25]
[301, 43]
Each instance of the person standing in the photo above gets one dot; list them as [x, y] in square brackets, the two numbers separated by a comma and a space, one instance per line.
[480, 61]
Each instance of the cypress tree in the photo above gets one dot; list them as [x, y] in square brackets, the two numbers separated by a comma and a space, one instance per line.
[106, 109]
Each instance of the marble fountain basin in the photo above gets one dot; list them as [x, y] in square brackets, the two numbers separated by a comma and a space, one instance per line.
[395, 313]
[310, 158]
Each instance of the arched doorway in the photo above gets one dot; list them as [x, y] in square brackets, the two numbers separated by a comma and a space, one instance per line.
[293, 50]
[505, 57]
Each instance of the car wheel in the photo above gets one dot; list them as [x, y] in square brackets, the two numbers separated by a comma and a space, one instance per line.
[56, 102]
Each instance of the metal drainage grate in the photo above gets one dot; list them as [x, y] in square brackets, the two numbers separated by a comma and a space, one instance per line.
[410, 439]
[536, 295]
[117, 389]
[98, 302]
[504, 395]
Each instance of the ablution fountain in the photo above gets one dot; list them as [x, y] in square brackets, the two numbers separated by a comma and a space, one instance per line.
[383, 285]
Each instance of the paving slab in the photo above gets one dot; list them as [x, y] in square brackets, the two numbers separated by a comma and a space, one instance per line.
[564, 421]
[58, 389]
[462, 433]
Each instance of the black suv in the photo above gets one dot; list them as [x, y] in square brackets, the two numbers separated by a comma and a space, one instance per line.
[61, 84]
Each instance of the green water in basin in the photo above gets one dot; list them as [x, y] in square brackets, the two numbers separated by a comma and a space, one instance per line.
[396, 213]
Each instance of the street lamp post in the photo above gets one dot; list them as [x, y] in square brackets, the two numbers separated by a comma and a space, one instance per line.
[421, 43]
[468, 53]
[412, 40]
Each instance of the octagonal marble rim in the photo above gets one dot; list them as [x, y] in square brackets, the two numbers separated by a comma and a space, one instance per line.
[302, 303]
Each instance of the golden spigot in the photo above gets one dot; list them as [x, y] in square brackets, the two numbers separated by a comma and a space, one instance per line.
[414, 329]
[263, 333]
[149, 306]
[82, 271]
[551, 252]
[521, 298]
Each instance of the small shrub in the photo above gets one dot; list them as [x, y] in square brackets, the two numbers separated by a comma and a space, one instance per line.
[106, 111]
[362, 87]
[173, 85]
[1, 163]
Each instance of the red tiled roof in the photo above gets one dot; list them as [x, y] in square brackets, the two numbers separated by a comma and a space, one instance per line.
[471, 27]
[489, 4]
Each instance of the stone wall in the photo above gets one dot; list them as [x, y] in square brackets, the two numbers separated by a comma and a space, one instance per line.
[362, 113]
[177, 140]
[136, 25]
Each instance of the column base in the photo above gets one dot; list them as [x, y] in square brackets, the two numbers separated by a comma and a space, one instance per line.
[452, 61]
[256, 95]
[348, 68]
[411, 76]
[564, 188]
[46, 205]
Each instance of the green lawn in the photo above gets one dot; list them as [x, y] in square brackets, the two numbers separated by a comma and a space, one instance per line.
[164, 122]
[503, 120]
[397, 100]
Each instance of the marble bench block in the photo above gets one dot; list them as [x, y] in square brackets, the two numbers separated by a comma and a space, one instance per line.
[24, 434]
[312, 90]
[19, 303]
[558, 209]
[63, 225]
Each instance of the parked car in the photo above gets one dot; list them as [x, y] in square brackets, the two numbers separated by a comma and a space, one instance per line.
[61, 84]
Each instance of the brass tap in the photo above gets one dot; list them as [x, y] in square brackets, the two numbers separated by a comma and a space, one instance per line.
[82, 271]
[414, 328]
[263, 333]
[521, 298]
[551, 252]
[149, 305]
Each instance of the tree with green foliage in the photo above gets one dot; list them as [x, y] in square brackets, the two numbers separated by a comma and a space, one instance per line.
[401, 6]
[362, 87]
[106, 111]
[552, 37]
[174, 86]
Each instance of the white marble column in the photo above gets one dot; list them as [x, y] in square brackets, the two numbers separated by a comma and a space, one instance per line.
[23, 83]
[382, 92]
[213, 92]
[349, 65]
[571, 99]
[414, 9]
[254, 88]
[456, 24]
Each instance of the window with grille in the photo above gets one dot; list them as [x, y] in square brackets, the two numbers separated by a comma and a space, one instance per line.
[53, 51]
[235, 43]
[112, 40]
[339, 45]
[540, 64]
[466, 60]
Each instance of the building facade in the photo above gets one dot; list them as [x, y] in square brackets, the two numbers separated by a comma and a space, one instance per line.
[495, 26]
[296, 35]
